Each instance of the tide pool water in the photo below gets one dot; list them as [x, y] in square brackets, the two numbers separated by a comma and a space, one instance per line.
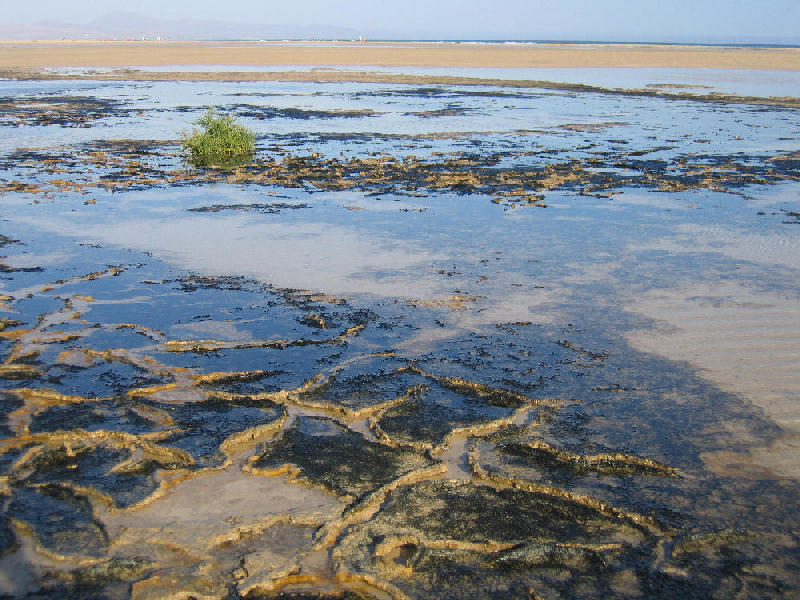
[429, 342]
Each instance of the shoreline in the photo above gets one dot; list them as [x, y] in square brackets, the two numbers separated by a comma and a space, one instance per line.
[325, 75]
[91, 53]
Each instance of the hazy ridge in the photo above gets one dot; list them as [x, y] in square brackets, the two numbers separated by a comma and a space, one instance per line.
[124, 25]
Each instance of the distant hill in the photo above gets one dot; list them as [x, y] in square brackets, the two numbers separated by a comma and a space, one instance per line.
[126, 25]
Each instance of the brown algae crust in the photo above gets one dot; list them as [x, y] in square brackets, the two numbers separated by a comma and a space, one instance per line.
[119, 166]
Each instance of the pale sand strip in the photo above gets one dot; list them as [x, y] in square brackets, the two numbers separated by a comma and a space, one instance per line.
[35, 55]
[345, 75]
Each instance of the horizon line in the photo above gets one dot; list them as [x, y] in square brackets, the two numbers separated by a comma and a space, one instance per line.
[430, 40]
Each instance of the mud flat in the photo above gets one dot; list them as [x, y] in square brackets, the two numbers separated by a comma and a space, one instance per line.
[433, 340]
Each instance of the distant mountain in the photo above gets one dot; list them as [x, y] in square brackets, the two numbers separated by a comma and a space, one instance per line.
[125, 25]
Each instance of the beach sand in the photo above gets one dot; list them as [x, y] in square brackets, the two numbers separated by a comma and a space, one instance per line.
[37, 55]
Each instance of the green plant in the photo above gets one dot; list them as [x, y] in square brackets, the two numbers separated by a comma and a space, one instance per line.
[221, 140]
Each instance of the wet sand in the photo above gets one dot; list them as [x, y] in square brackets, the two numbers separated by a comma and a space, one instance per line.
[35, 55]
[746, 343]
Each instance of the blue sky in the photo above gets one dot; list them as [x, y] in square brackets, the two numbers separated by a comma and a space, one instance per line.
[774, 21]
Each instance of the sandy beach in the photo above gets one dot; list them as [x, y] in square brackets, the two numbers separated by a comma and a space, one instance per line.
[36, 55]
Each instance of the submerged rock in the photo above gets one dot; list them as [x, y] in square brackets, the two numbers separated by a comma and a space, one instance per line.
[61, 520]
[445, 539]
[121, 475]
[8, 403]
[363, 387]
[7, 538]
[466, 512]
[320, 451]
[206, 427]
[116, 414]
[438, 409]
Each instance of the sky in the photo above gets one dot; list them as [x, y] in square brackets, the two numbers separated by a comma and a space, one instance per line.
[747, 21]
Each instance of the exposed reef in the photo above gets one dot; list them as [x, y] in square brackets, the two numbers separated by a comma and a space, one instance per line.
[503, 177]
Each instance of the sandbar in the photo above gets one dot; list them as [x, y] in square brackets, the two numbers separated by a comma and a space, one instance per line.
[37, 55]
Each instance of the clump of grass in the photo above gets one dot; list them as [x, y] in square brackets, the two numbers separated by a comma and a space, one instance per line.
[220, 140]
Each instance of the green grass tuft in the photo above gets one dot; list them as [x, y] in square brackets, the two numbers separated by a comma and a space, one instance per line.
[220, 141]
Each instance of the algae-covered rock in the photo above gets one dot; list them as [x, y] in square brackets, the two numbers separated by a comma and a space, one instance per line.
[109, 580]
[116, 414]
[200, 429]
[637, 483]
[8, 403]
[467, 512]
[445, 539]
[734, 563]
[360, 394]
[109, 469]
[434, 411]
[363, 386]
[7, 538]
[207, 425]
[528, 458]
[61, 520]
[325, 453]
[116, 569]
[289, 595]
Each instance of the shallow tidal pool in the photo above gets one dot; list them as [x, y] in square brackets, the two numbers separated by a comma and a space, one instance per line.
[429, 342]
